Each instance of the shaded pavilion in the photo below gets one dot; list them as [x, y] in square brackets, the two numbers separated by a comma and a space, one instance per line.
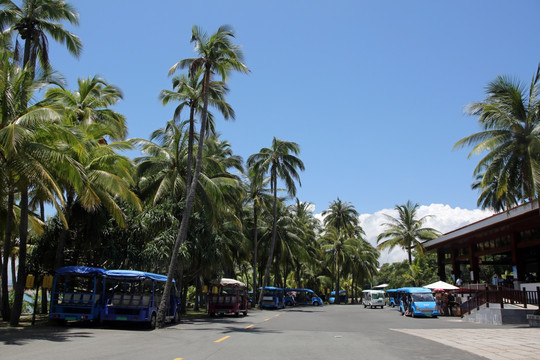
[509, 240]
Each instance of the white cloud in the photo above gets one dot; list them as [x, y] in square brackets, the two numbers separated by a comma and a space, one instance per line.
[443, 218]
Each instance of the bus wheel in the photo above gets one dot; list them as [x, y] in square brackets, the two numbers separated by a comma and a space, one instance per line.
[245, 313]
[212, 314]
[153, 322]
[237, 314]
[316, 303]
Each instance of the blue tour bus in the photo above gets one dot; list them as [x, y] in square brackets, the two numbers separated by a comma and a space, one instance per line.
[392, 297]
[77, 294]
[273, 297]
[136, 295]
[301, 297]
[343, 299]
[417, 301]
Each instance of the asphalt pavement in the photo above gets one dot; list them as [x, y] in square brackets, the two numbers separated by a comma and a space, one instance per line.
[331, 331]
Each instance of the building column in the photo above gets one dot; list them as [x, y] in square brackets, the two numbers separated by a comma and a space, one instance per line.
[455, 265]
[517, 263]
[473, 265]
[440, 265]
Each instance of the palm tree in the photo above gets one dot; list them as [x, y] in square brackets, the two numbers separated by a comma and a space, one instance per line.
[406, 230]
[25, 156]
[280, 161]
[308, 227]
[340, 247]
[510, 118]
[105, 176]
[489, 198]
[33, 21]
[258, 195]
[90, 104]
[342, 216]
[217, 54]
[189, 93]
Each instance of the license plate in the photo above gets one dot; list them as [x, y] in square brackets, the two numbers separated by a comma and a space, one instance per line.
[121, 318]
[70, 318]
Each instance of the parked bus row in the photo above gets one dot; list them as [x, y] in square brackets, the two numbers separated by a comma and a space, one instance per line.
[95, 294]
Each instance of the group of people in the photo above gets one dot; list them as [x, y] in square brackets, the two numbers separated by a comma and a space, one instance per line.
[446, 303]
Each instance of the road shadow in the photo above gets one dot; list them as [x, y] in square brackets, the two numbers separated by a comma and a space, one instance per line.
[22, 336]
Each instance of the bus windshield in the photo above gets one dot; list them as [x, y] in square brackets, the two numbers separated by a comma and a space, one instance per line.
[422, 297]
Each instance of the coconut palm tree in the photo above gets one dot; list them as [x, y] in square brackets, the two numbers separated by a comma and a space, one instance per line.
[216, 54]
[489, 198]
[257, 197]
[280, 161]
[27, 155]
[406, 231]
[510, 139]
[342, 216]
[34, 21]
[106, 176]
[90, 104]
[189, 93]
[339, 246]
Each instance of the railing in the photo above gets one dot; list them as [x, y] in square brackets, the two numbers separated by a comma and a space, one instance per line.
[498, 295]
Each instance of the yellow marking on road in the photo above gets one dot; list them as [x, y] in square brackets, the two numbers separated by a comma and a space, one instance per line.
[178, 358]
[276, 315]
[266, 319]
[249, 326]
[223, 338]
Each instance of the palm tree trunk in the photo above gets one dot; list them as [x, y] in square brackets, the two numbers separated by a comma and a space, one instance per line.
[13, 269]
[190, 146]
[255, 244]
[6, 311]
[273, 244]
[337, 280]
[182, 232]
[23, 235]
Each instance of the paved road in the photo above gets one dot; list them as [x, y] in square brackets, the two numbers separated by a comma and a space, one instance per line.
[337, 331]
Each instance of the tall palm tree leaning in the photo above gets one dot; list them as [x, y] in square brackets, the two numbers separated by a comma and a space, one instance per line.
[33, 21]
[189, 93]
[510, 117]
[281, 162]
[343, 217]
[406, 230]
[217, 54]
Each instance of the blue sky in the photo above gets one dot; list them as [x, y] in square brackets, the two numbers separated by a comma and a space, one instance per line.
[373, 92]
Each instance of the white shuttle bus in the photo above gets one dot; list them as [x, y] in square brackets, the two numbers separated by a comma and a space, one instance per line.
[373, 298]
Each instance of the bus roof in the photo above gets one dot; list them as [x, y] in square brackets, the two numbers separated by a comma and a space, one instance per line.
[81, 270]
[134, 275]
[373, 290]
[413, 290]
